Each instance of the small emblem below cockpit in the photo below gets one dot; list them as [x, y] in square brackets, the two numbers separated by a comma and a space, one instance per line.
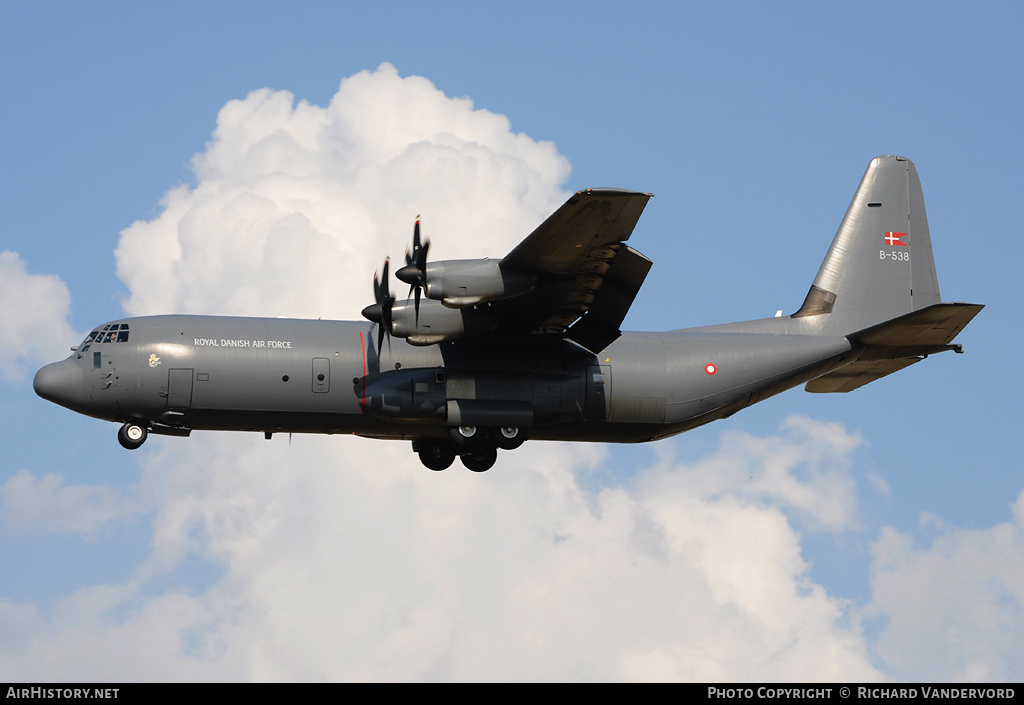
[153, 360]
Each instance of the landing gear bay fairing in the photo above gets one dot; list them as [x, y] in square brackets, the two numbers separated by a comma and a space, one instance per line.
[487, 353]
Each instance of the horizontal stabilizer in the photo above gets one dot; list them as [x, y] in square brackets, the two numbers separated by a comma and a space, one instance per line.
[935, 325]
[848, 378]
[891, 346]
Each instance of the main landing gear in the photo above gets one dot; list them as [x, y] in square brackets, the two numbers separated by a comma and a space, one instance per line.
[476, 446]
[132, 435]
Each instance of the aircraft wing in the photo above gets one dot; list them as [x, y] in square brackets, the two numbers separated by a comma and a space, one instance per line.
[587, 276]
[590, 220]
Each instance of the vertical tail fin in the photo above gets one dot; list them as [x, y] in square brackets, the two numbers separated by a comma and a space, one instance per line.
[880, 265]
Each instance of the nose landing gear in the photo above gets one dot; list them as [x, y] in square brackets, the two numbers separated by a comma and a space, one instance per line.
[132, 435]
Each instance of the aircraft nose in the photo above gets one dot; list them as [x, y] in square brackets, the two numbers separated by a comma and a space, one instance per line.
[60, 382]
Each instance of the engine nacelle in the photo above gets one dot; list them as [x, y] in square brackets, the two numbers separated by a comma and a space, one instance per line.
[463, 283]
[436, 323]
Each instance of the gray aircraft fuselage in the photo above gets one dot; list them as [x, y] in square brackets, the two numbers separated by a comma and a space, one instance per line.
[528, 346]
[305, 376]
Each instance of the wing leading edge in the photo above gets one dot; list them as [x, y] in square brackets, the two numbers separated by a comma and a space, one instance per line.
[592, 218]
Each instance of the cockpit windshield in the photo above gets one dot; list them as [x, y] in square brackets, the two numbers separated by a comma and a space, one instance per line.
[111, 333]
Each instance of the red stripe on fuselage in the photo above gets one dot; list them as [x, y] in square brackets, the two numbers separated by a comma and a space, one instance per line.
[362, 346]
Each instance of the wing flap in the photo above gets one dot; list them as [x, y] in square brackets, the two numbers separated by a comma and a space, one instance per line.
[599, 326]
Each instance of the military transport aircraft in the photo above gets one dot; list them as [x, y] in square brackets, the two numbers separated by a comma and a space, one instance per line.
[488, 352]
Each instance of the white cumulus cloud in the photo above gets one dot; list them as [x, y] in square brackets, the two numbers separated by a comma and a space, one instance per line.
[342, 559]
[46, 505]
[296, 205]
[34, 310]
[953, 610]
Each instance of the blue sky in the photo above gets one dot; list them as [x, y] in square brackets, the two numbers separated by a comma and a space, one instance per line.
[752, 124]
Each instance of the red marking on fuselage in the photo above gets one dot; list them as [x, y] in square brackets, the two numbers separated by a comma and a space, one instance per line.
[710, 368]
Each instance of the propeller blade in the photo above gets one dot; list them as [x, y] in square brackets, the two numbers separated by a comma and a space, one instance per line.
[421, 263]
[414, 273]
[380, 311]
[417, 307]
[388, 303]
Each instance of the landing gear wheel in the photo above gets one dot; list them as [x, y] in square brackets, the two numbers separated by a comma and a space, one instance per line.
[480, 459]
[132, 435]
[436, 455]
[508, 437]
[465, 436]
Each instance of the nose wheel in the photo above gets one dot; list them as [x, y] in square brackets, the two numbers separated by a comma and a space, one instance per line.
[132, 435]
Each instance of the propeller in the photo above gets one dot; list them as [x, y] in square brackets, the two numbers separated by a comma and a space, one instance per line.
[414, 273]
[380, 312]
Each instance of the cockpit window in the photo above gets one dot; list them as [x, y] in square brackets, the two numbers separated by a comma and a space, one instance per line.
[110, 333]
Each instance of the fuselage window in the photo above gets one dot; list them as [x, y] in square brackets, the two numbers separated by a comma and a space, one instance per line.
[122, 336]
[96, 360]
